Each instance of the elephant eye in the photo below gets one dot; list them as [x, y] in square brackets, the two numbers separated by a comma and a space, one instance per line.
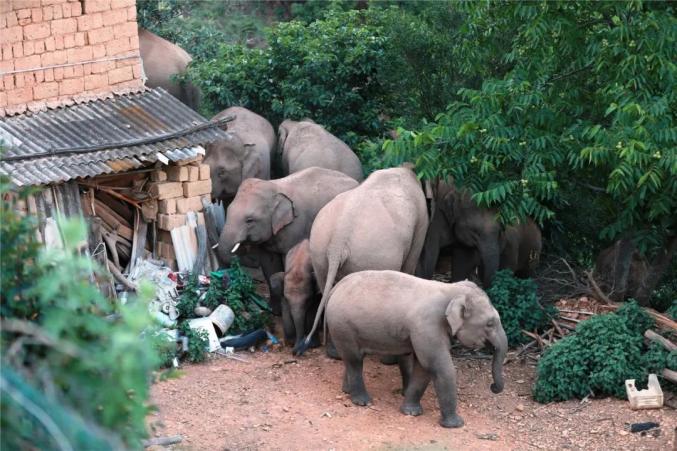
[249, 220]
[490, 323]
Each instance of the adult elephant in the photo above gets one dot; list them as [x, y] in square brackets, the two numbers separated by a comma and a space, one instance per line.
[271, 216]
[161, 61]
[244, 153]
[476, 239]
[304, 144]
[379, 225]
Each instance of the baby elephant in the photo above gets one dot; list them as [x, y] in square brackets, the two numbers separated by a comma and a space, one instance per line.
[299, 292]
[392, 313]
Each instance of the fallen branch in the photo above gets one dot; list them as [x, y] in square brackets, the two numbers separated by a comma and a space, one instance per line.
[596, 289]
[162, 441]
[653, 336]
[578, 312]
[117, 274]
[670, 375]
[573, 320]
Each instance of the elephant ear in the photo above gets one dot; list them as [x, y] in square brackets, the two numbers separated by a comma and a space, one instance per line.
[283, 212]
[251, 165]
[457, 312]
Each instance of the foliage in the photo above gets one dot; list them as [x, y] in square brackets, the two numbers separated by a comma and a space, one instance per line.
[517, 303]
[189, 298]
[665, 296]
[56, 324]
[325, 70]
[198, 342]
[599, 356]
[672, 311]
[311, 10]
[635, 317]
[575, 93]
[165, 350]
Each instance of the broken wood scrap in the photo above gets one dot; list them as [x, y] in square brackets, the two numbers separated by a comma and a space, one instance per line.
[117, 274]
[670, 375]
[113, 220]
[122, 208]
[653, 336]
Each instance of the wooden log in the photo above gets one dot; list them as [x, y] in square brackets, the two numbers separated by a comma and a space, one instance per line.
[670, 375]
[653, 336]
[117, 205]
[117, 274]
[113, 220]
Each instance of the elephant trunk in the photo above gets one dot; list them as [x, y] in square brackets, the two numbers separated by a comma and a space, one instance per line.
[490, 254]
[500, 344]
[229, 242]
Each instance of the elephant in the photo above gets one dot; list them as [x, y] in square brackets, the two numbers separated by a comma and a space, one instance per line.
[269, 217]
[381, 224]
[244, 153]
[475, 239]
[392, 313]
[304, 144]
[298, 291]
[161, 61]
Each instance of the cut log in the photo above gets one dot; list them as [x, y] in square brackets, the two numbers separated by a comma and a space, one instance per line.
[670, 375]
[117, 274]
[653, 336]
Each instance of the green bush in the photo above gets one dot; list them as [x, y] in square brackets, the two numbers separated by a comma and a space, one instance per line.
[198, 342]
[604, 351]
[59, 335]
[517, 303]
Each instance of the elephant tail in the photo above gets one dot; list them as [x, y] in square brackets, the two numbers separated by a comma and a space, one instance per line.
[335, 261]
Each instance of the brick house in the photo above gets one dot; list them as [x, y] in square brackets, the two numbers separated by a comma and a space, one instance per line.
[77, 121]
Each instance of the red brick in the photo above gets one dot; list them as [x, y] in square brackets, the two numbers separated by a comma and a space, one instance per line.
[89, 22]
[117, 46]
[49, 44]
[66, 9]
[39, 76]
[63, 26]
[103, 66]
[29, 48]
[23, 13]
[3, 99]
[131, 13]
[58, 42]
[126, 29]
[136, 69]
[98, 50]
[58, 57]
[12, 21]
[18, 50]
[25, 21]
[191, 189]
[36, 31]
[100, 35]
[92, 6]
[186, 204]
[177, 173]
[119, 75]
[47, 13]
[8, 82]
[71, 86]
[193, 173]
[53, 2]
[69, 40]
[204, 172]
[115, 16]
[57, 12]
[78, 71]
[87, 69]
[115, 4]
[29, 79]
[76, 9]
[79, 54]
[167, 206]
[81, 39]
[69, 72]
[165, 190]
[46, 90]
[49, 74]
[21, 4]
[95, 81]
[58, 73]
[6, 65]
[7, 52]
[18, 81]
[27, 62]
[3, 21]
[39, 47]
[159, 176]
[12, 34]
[134, 42]
[36, 14]
[21, 95]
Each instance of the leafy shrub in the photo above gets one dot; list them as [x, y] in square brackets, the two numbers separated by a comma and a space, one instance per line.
[665, 296]
[636, 319]
[325, 70]
[517, 303]
[672, 311]
[198, 342]
[58, 335]
[597, 359]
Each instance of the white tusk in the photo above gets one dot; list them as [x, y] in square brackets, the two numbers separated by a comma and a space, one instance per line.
[235, 248]
[215, 246]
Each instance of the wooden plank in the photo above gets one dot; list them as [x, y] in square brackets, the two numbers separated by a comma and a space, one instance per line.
[113, 220]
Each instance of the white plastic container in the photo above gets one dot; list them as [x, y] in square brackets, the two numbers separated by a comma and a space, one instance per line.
[206, 325]
[222, 317]
[651, 398]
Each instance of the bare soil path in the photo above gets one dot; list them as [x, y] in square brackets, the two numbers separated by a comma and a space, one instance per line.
[277, 402]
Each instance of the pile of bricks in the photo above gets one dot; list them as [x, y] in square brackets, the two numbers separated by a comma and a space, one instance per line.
[179, 190]
[56, 52]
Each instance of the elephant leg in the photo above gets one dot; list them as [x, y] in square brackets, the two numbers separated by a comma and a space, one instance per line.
[356, 388]
[298, 315]
[389, 359]
[288, 324]
[270, 264]
[463, 263]
[406, 364]
[330, 350]
[414, 390]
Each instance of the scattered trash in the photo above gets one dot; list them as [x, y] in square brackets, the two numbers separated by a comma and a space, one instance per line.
[651, 398]
[202, 311]
[206, 325]
[222, 317]
[245, 341]
[489, 436]
[641, 427]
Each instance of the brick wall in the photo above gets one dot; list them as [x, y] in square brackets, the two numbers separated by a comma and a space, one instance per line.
[57, 52]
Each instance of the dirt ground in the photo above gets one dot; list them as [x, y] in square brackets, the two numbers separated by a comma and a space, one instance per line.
[274, 401]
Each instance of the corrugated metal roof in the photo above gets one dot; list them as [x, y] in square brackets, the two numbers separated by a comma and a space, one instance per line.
[52, 146]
